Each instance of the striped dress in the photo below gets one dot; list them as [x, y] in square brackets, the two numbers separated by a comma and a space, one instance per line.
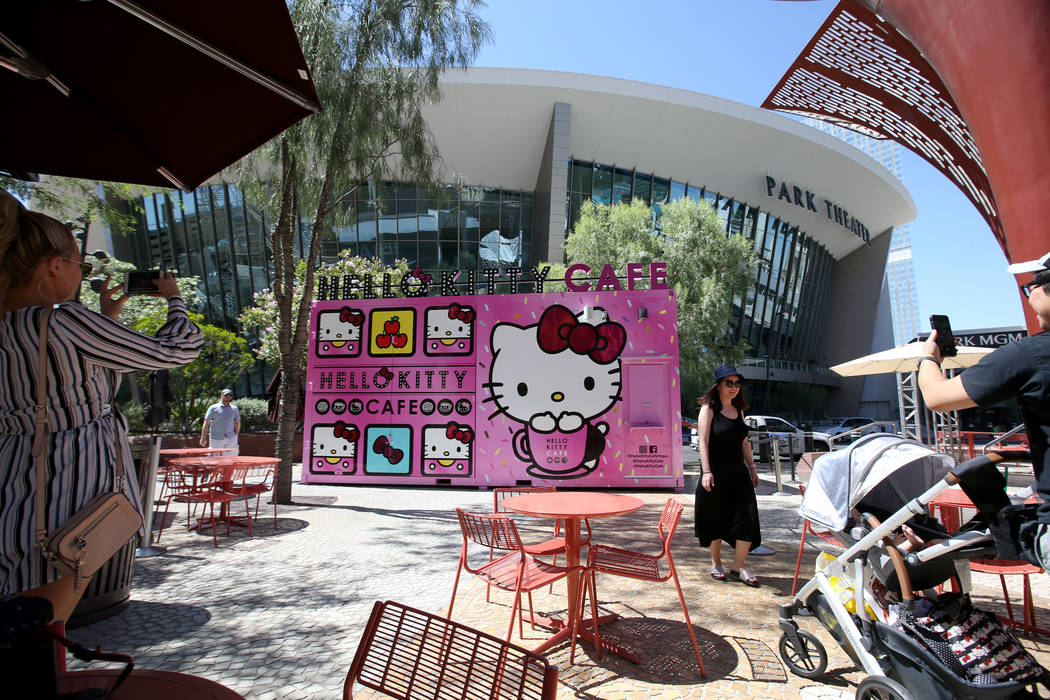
[87, 354]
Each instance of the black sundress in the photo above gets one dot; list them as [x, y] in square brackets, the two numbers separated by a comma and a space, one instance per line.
[729, 511]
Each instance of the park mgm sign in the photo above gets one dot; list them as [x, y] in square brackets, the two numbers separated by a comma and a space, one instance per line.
[793, 194]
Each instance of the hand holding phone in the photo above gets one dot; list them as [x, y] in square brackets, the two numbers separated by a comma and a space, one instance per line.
[945, 339]
[141, 281]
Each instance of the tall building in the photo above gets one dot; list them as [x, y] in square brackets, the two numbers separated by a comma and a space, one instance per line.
[900, 270]
[533, 146]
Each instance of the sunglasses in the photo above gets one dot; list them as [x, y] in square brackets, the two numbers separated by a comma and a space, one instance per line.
[732, 383]
[1028, 287]
[85, 267]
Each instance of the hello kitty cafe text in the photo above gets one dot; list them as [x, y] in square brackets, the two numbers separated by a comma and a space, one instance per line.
[575, 388]
[448, 283]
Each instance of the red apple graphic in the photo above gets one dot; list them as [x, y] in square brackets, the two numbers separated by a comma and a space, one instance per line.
[400, 340]
[392, 326]
[383, 341]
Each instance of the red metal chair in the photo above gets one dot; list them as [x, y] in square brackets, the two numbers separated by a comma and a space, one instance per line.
[517, 571]
[178, 483]
[261, 481]
[552, 547]
[414, 655]
[216, 488]
[1006, 567]
[643, 567]
[825, 535]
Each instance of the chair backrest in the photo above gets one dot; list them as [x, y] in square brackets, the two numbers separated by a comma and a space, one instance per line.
[408, 654]
[510, 491]
[669, 522]
[494, 531]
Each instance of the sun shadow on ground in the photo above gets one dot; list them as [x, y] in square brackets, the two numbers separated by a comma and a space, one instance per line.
[149, 621]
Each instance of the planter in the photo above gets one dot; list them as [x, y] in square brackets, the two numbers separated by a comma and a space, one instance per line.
[260, 444]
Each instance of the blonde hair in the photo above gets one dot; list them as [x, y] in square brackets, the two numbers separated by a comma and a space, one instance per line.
[26, 237]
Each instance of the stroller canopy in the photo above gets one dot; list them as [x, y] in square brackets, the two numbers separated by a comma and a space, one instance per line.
[883, 470]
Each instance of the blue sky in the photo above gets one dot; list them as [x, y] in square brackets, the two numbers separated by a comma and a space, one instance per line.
[738, 50]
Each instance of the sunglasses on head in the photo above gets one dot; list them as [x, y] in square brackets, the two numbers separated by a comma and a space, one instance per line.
[1028, 287]
[732, 383]
[85, 267]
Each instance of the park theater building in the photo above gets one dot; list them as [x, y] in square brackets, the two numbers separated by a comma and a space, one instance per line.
[533, 146]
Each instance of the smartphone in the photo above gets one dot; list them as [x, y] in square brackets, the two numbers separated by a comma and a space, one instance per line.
[945, 339]
[141, 281]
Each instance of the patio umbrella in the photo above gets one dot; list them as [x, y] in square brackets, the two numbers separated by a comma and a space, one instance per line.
[152, 92]
[905, 358]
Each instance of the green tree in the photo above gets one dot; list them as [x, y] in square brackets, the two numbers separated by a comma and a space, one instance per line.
[224, 357]
[375, 64]
[80, 201]
[262, 314]
[706, 268]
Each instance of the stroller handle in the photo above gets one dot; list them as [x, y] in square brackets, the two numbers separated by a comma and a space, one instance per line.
[975, 465]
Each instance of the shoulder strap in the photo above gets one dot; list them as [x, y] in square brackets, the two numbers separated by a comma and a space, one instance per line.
[40, 413]
[40, 427]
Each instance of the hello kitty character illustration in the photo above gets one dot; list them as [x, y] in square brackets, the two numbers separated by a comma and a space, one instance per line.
[339, 332]
[333, 448]
[449, 330]
[447, 449]
[556, 377]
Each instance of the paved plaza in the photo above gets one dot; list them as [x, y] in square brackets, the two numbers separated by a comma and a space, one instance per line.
[279, 615]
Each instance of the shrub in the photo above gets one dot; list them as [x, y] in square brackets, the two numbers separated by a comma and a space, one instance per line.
[254, 415]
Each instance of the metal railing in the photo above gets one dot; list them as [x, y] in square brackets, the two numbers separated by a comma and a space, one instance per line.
[859, 430]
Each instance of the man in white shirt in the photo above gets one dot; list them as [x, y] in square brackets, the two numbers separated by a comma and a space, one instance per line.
[222, 425]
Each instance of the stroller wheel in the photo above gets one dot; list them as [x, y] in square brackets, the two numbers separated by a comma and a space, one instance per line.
[881, 688]
[810, 661]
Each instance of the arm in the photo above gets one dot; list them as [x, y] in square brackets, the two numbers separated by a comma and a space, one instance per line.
[703, 433]
[102, 341]
[939, 392]
[749, 460]
[204, 432]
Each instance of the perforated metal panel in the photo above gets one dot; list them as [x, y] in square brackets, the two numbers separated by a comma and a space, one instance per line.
[860, 72]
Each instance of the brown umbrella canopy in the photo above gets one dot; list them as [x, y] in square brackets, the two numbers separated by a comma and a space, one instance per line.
[152, 92]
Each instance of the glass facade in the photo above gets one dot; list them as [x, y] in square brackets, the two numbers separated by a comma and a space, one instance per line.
[213, 234]
[783, 312]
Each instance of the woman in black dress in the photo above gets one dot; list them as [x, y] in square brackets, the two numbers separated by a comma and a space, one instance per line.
[726, 508]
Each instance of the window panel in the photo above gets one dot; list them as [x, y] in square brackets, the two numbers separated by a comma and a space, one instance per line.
[582, 176]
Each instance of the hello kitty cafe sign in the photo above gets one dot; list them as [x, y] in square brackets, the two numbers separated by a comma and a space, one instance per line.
[575, 388]
[455, 282]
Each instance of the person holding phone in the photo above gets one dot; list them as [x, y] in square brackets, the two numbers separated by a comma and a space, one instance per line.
[88, 353]
[1018, 370]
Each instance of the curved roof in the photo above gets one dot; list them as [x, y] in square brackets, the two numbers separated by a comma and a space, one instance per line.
[492, 126]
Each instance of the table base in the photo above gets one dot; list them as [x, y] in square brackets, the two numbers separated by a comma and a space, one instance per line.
[564, 633]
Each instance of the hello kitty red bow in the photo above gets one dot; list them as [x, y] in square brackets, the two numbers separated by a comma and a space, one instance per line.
[560, 329]
[348, 315]
[342, 430]
[463, 433]
[463, 313]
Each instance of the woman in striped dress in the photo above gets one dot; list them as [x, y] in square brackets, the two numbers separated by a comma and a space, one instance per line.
[87, 353]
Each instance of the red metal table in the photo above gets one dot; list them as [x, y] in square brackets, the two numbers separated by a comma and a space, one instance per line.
[572, 507]
[199, 467]
[156, 685]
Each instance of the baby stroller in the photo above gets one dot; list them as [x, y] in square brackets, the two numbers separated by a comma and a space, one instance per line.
[865, 495]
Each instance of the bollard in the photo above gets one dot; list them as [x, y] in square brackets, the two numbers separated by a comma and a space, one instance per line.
[776, 467]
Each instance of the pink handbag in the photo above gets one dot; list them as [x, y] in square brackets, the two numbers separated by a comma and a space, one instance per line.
[82, 544]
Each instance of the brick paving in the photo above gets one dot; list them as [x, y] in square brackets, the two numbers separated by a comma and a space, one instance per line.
[279, 615]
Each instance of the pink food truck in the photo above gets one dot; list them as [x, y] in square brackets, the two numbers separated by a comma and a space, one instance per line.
[575, 389]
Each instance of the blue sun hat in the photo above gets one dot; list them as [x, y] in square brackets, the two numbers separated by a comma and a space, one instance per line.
[725, 371]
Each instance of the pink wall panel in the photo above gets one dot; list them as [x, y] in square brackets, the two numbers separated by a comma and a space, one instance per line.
[570, 389]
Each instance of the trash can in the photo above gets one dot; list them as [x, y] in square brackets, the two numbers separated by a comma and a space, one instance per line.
[109, 591]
